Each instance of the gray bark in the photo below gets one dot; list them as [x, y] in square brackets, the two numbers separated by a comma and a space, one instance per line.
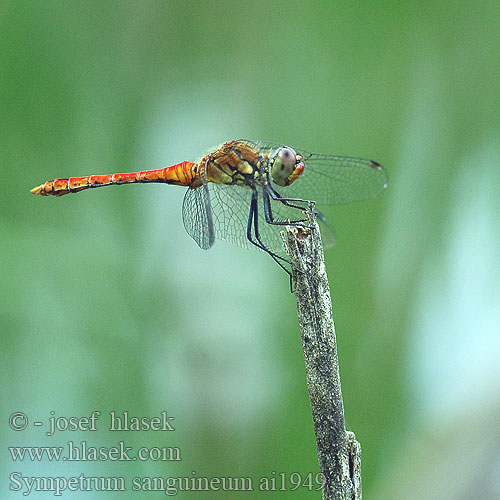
[339, 453]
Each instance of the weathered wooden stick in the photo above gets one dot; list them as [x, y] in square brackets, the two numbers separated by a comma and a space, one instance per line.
[339, 453]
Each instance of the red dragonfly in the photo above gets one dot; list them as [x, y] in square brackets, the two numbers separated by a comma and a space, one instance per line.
[244, 191]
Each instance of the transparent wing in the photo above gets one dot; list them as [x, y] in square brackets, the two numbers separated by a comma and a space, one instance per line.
[328, 236]
[332, 180]
[231, 209]
[221, 211]
[197, 216]
[335, 180]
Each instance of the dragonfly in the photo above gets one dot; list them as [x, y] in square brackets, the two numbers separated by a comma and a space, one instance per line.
[245, 191]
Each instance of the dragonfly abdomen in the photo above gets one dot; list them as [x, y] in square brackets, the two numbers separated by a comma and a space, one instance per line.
[182, 174]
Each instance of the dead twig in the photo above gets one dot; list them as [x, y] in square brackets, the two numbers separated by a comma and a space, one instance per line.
[339, 453]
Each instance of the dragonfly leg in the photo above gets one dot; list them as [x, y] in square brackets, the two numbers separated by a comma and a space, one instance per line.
[253, 218]
[288, 202]
[254, 209]
[276, 258]
[268, 212]
[253, 221]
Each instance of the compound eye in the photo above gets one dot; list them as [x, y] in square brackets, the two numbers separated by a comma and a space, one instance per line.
[287, 156]
[283, 166]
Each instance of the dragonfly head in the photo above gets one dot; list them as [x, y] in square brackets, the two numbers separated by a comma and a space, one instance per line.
[286, 166]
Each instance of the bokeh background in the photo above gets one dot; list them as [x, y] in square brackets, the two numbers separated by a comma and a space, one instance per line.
[107, 303]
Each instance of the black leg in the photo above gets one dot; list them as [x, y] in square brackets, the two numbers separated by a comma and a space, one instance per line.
[268, 213]
[253, 218]
[286, 201]
[272, 254]
[289, 202]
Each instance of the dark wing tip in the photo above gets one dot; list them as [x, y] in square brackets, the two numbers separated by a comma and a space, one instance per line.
[380, 168]
[383, 174]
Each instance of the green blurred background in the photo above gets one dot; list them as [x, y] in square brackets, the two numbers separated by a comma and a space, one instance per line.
[107, 303]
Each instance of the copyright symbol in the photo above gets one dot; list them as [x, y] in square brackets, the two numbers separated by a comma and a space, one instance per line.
[18, 421]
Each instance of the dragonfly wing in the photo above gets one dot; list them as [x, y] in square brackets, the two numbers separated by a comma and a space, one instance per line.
[331, 179]
[328, 236]
[336, 180]
[198, 217]
[231, 209]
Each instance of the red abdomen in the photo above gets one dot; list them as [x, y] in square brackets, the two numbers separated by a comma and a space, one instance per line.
[182, 174]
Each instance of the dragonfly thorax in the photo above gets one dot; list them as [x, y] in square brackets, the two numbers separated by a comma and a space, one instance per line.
[286, 166]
